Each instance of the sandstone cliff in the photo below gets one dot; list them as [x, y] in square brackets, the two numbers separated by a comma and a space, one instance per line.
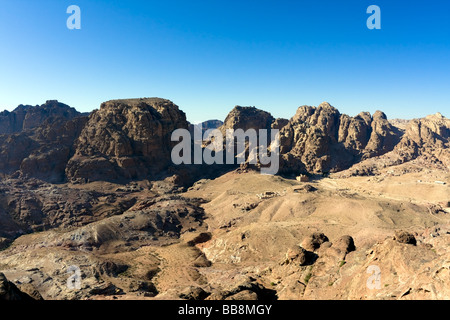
[29, 117]
[320, 139]
[126, 139]
[130, 139]
[37, 141]
[247, 118]
[425, 141]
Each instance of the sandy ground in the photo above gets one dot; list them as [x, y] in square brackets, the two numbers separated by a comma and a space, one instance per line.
[253, 220]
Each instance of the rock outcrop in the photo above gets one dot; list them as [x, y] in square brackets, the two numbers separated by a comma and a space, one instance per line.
[320, 139]
[130, 139]
[38, 140]
[12, 122]
[55, 147]
[314, 241]
[10, 292]
[247, 118]
[242, 236]
[28, 117]
[429, 136]
[126, 139]
[405, 237]
[425, 141]
[205, 125]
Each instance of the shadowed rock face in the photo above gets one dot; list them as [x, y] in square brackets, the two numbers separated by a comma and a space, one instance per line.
[405, 237]
[383, 137]
[321, 139]
[11, 122]
[126, 139]
[9, 291]
[130, 139]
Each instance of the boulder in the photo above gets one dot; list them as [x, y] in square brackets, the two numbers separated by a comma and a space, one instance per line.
[314, 241]
[297, 254]
[405, 237]
[345, 244]
[194, 293]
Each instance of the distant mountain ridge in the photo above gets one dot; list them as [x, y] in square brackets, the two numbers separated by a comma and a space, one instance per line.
[130, 139]
[26, 117]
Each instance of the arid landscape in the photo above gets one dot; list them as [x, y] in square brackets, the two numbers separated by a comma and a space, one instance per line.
[360, 208]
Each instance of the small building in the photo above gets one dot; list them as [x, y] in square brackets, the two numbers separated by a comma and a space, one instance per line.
[302, 178]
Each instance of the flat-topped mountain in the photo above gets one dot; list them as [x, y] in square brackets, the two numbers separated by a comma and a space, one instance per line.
[128, 138]
[247, 118]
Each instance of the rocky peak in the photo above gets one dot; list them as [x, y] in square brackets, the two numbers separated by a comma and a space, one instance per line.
[247, 118]
[37, 140]
[320, 139]
[436, 116]
[379, 115]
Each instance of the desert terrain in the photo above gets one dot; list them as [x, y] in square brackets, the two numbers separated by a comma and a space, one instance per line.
[98, 194]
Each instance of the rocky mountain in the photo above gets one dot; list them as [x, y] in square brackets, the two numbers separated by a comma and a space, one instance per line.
[247, 118]
[426, 135]
[425, 140]
[321, 139]
[130, 139]
[26, 117]
[126, 139]
[99, 193]
[206, 125]
[31, 205]
[37, 141]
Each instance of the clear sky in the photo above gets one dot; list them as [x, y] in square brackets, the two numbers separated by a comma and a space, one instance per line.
[208, 56]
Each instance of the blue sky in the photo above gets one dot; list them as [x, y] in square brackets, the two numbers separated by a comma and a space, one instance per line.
[208, 56]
